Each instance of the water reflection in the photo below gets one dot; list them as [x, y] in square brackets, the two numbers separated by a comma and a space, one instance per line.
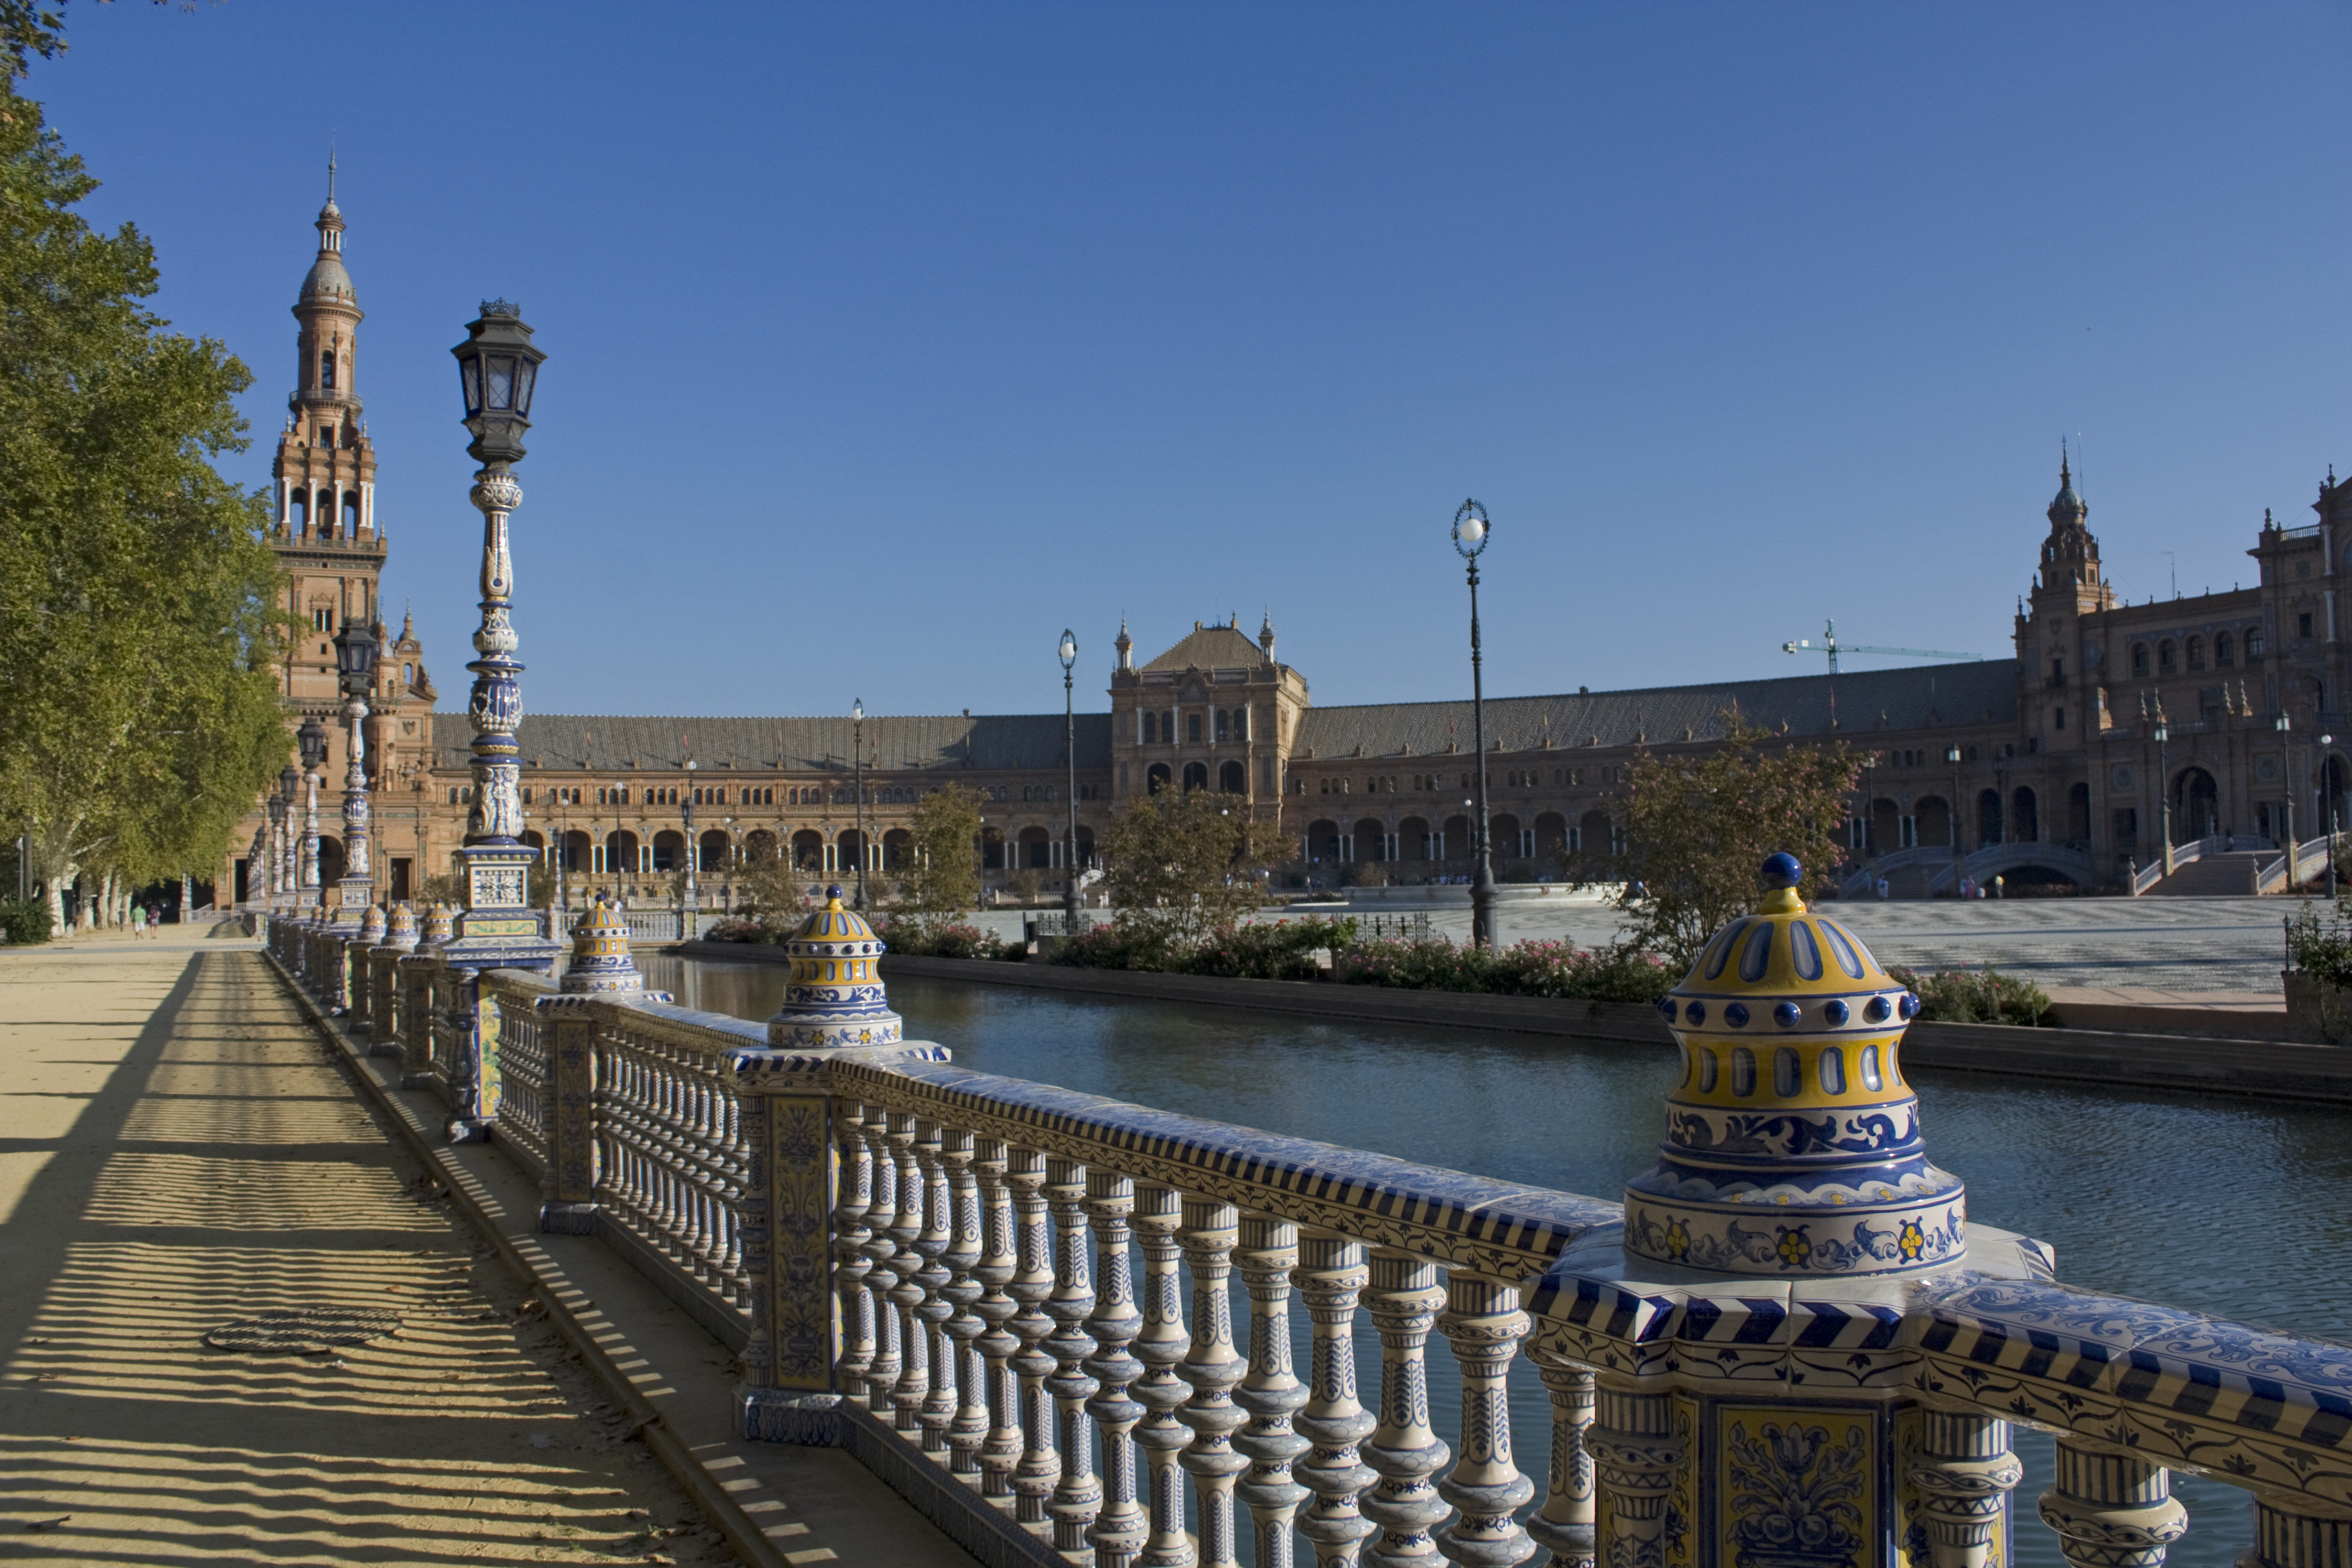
[2202, 1203]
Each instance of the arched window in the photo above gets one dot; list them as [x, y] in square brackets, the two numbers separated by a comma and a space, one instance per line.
[2167, 658]
[2254, 643]
[1233, 779]
[1151, 729]
[326, 370]
[297, 511]
[1193, 728]
[408, 675]
[2139, 658]
[1196, 774]
[1224, 725]
[2224, 651]
[351, 514]
[2196, 653]
[1158, 779]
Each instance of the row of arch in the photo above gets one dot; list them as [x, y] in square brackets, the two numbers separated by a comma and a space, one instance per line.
[624, 853]
[2170, 654]
[298, 512]
[1547, 835]
[1233, 778]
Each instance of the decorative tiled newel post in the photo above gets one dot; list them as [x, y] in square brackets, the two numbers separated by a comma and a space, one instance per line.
[1761, 1401]
[601, 970]
[383, 981]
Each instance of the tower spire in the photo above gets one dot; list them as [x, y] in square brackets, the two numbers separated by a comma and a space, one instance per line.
[330, 173]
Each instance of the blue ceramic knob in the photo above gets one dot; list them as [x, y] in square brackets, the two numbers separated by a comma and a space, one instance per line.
[1788, 1014]
[1696, 1014]
[1735, 1015]
[1910, 1005]
[1877, 1010]
[1668, 1007]
[1836, 1011]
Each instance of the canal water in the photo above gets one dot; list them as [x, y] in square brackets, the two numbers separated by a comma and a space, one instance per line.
[2222, 1204]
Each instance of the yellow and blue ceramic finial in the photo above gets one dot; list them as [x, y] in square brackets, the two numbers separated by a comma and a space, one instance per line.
[440, 925]
[833, 995]
[400, 931]
[372, 924]
[600, 960]
[1792, 1143]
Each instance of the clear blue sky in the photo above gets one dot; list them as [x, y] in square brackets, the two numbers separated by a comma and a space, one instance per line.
[887, 340]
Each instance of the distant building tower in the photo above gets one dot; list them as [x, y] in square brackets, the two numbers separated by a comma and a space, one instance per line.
[326, 534]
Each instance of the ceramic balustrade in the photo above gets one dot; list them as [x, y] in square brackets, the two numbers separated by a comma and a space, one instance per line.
[939, 1270]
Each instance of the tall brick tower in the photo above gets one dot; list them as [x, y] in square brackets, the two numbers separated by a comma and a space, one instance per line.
[326, 535]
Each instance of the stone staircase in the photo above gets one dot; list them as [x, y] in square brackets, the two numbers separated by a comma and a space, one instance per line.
[2235, 875]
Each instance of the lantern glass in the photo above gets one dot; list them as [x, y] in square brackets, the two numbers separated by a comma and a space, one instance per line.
[289, 781]
[313, 738]
[498, 374]
[1068, 650]
[526, 379]
[469, 376]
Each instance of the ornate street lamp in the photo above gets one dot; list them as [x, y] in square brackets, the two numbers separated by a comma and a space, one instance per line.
[1471, 534]
[312, 739]
[857, 776]
[498, 372]
[693, 850]
[281, 832]
[355, 656]
[2162, 733]
[2319, 758]
[1069, 656]
[2284, 726]
[1952, 755]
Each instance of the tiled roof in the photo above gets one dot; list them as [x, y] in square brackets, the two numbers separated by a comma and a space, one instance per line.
[1211, 648]
[607, 744]
[1977, 692]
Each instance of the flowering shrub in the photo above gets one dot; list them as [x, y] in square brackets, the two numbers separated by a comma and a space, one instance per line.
[2322, 951]
[1537, 968]
[1110, 947]
[1284, 949]
[1967, 995]
[736, 930]
[918, 937]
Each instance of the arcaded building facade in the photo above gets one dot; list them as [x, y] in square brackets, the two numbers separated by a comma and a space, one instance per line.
[2060, 774]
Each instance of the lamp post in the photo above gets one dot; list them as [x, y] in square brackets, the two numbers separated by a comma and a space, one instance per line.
[313, 738]
[281, 834]
[498, 372]
[1952, 755]
[1471, 532]
[355, 656]
[858, 783]
[693, 851]
[2285, 726]
[2163, 733]
[2320, 771]
[1069, 656]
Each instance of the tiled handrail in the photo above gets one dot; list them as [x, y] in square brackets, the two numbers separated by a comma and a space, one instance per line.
[940, 1268]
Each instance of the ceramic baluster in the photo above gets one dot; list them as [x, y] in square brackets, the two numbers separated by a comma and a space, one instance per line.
[968, 1428]
[1078, 1496]
[1159, 1211]
[999, 1261]
[1484, 1325]
[1118, 1530]
[1209, 1233]
[1563, 1526]
[1964, 1475]
[1039, 1469]
[1404, 1451]
[2298, 1533]
[1636, 1456]
[934, 1310]
[2111, 1509]
[914, 1384]
[1331, 1279]
[1271, 1391]
[881, 1253]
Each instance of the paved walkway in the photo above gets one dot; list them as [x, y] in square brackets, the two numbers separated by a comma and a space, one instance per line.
[176, 1153]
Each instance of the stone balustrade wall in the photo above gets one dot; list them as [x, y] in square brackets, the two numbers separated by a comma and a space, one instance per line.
[979, 1286]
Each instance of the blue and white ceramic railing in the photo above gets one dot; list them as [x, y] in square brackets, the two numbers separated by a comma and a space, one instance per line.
[979, 1285]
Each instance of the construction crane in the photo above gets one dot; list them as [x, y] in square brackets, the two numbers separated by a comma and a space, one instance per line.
[1832, 647]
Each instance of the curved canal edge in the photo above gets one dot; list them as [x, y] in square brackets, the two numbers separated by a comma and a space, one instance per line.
[2267, 1068]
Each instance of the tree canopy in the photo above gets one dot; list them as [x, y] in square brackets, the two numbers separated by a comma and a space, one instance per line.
[1182, 867]
[140, 717]
[1697, 829]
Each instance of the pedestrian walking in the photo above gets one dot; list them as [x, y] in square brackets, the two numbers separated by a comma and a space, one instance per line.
[138, 920]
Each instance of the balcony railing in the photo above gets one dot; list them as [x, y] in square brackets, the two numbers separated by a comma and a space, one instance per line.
[979, 1286]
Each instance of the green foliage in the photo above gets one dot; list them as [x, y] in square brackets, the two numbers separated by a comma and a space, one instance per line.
[2322, 950]
[1697, 827]
[915, 937]
[1183, 867]
[1537, 968]
[24, 921]
[139, 617]
[1968, 996]
[944, 873]
[1283, 950]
